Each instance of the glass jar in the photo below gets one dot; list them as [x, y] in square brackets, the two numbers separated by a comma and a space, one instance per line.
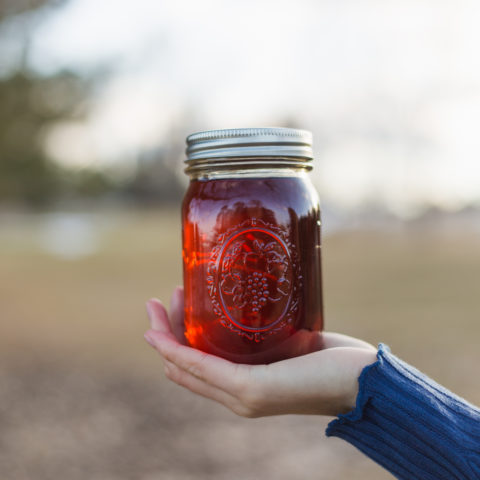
[251, 243]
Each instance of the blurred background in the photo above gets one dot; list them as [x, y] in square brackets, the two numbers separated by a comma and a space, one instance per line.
[96, 99]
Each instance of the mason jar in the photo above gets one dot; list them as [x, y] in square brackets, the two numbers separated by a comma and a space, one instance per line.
[251, 243]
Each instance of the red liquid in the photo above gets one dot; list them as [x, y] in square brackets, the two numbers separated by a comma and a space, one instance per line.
[252, 266]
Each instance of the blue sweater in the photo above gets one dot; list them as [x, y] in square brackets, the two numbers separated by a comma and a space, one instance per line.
[410, 425]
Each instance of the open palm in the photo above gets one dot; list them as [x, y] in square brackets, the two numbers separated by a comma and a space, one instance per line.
[320, 378]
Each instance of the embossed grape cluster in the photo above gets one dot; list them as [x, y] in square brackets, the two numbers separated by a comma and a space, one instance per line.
[257, 288]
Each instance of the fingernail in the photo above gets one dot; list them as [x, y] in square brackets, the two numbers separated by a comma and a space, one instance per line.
[149, 310]
[174, 298]
[149, 340]
[155, 324]
[178, 292]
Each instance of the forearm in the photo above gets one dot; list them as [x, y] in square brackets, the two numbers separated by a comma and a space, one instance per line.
[410, 425]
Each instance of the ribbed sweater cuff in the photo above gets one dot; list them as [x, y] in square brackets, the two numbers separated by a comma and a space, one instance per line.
[410, 425]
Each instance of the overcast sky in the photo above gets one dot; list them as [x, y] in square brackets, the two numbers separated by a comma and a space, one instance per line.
[391, 90]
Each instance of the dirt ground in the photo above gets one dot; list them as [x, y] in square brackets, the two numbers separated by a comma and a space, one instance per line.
[83, 397]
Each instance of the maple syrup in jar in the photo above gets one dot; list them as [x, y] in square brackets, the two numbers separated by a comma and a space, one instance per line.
[251, 243]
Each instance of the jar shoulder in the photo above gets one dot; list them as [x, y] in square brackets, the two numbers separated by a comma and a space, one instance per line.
[295, 193]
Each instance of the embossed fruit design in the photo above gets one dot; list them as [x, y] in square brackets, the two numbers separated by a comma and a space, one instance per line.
[253, 273]
[252, 281]
[257, 288]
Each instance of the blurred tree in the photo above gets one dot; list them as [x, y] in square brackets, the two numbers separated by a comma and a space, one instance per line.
[159, 175]
[22, 16]
[157, 178]
[14, 7]
[28, 105]
[31, 105]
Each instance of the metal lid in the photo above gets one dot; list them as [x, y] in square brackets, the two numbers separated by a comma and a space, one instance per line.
[250, 142]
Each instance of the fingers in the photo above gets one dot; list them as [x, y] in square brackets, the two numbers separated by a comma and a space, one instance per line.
[209, 376]
[177, 315]
[158, 316]
[332, 340]
[195, 385]
[215, 371]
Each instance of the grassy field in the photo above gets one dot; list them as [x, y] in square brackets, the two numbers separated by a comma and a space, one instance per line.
[82, 396]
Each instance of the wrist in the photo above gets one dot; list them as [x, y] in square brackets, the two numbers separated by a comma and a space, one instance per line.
[360, 359]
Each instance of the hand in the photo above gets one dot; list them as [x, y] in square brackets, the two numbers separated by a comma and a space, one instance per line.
[321, 382]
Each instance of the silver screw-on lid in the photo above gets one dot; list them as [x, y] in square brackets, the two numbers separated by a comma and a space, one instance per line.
[250, 142]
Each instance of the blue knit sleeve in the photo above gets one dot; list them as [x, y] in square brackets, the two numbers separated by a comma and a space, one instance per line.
[410, 425]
